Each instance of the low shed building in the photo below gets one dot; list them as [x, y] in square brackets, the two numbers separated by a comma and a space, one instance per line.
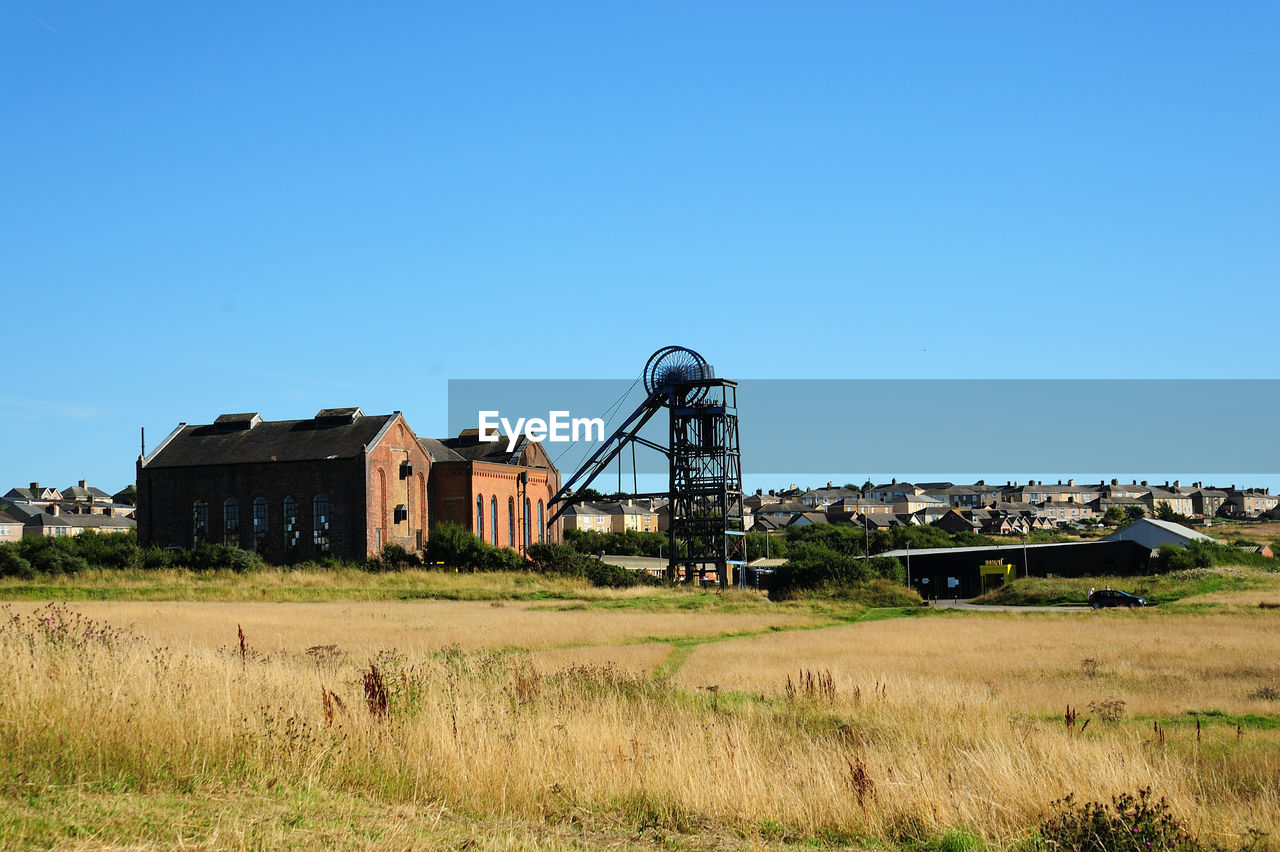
[956, 572]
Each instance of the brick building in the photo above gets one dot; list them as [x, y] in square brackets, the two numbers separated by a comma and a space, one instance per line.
[500, 494]
[340, 484]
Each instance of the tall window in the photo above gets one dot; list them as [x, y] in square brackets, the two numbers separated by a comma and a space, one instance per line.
[542, 528]
[527, 520]
[480, 516]
[511, 522]
[493, 519]
[231, 522]
[260, 524]
[320, 523]
[291, 532]
[199, 523]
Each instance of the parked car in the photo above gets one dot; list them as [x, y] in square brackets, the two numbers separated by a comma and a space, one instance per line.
[1114, 597]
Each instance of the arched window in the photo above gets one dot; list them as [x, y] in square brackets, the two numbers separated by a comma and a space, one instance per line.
[525, 526]
[480, 516]
[542, 528]
[320, 523]
[231, 522]
[511, 522]
[493, 519]
[260, 527]
[291, 532]
[382, 509]
[199, 523]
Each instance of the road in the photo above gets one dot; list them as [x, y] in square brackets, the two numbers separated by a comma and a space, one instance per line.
[962, 604]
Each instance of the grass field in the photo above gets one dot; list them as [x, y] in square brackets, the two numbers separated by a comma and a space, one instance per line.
[474, 711]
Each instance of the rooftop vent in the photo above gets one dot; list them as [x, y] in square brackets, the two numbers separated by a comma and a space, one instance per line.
[338, 415]
[233, 422]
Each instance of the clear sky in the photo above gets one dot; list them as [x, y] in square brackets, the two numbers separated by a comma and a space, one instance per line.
[280, 207]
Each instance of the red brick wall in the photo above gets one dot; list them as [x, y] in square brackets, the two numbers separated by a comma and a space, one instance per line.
[388, 487]
[456, 485]
[166, 497]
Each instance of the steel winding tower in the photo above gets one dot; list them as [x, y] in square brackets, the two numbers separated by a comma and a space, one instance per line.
[705, 500]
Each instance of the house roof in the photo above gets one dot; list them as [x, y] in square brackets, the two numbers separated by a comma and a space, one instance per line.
[437, 450]
[267, 441]
[110, 522]
[469, 447]
[1177, 530]
[782, 509]
[75, 492]
[585, 509]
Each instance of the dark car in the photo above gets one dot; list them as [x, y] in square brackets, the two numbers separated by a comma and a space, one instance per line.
[1115, 597]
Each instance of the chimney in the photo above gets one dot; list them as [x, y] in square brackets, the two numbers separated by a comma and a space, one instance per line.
[893, 481]
[1071, 482]
[1177, 483]
[830, 484]
[1115, 482]
[84, 483]
[1166, 484]
[1059, 481]
[1144, 483]
[55, 509]
[35, 486]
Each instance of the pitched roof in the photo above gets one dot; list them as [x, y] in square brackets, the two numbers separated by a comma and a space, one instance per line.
[267, 441]
[469, 447]
[437, 450]
[75, 492]
[110, 522]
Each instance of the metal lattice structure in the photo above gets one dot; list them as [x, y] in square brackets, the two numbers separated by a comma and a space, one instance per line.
[705, 501]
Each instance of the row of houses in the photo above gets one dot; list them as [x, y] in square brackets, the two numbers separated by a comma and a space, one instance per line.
[1061, 502]
[38, 511]
[620, 516]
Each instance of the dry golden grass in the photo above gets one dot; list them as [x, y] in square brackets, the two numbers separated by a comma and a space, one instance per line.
[932, 724]
[416, 627]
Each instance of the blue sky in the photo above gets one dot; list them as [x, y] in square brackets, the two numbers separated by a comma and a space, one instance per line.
[288, 206]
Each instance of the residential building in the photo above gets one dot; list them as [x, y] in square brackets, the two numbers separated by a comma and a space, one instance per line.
[1249, 502]
[627, 516]
[587, 517]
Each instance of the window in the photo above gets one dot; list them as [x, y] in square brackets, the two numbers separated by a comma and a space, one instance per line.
[526, 523]
[320, 523]
[199, 523]
[493, 519]
[542, 530]
[231, 522]
[291, 531]
[480, 516]
[511, 522]
[260, 524]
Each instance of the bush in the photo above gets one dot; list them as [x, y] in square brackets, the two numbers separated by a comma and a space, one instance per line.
[564, 560]
[392, 558]
[816, 566]
[215, 557]
[453, 546]
[1130, 824]
[14, 564]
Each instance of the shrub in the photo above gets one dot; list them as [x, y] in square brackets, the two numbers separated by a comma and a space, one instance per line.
[552, 558]
[392, 558]
[14, 564]
[1129, 824]
[453, 546]
[214, 557]
[816, 566]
